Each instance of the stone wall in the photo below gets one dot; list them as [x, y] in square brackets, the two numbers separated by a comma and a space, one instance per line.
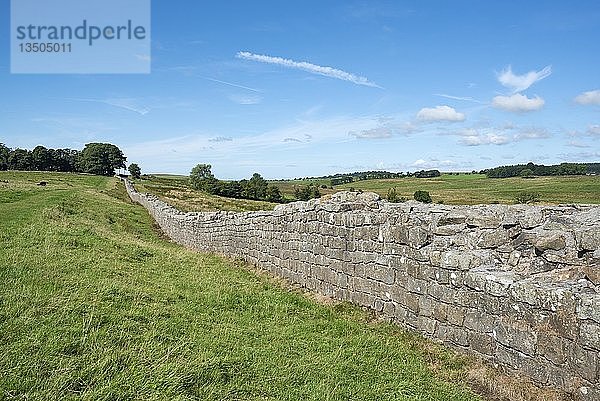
[516, 285]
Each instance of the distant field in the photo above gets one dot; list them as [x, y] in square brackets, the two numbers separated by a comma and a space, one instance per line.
[95, 305]
[476, 188]
[465, 189]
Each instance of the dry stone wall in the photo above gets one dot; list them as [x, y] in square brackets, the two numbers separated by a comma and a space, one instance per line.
[516, 285]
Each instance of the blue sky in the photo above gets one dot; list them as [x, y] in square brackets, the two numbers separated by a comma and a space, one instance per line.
[293, 89]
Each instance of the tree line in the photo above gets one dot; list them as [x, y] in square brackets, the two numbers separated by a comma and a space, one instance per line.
[530, 170]
[95, 158]
[256, 188]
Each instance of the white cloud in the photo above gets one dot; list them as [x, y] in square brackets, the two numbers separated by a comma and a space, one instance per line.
[500, 136]
[386, 130]
[577, 144]
[593, 130]
[591, 97]
[518, 103]
[309, 67]
[464, 98]
[245, 99]
[433, 163]
[519, 83]
[477, 139]
[440, 113]
[373, 133]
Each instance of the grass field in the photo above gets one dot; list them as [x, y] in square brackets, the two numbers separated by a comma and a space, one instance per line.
[467, 189]
[95, 305]
[174, 190]
[472, 189]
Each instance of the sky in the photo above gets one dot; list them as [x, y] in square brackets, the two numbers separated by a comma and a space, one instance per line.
[311, 88]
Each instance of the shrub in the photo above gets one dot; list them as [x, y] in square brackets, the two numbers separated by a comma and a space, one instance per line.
[422, 196]
[392, 196]
[527, 197]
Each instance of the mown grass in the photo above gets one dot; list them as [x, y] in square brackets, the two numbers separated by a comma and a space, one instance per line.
[470, 189]
[95, 305]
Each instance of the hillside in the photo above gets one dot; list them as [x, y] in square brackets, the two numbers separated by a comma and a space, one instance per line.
[96, 305]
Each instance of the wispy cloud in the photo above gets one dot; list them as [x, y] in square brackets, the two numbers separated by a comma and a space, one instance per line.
[593, 130]
[245, 99]
[221, 139]
[477, 139]
[231, 84]
[387, 129]
[129, 104]
[463, 98]
[518, 103]
[308, 67]
[440, 113]
[591, 97]
[519, 83]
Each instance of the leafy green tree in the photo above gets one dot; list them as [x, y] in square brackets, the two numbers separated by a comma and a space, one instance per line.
[256, 188]
[42, 158]
[101, 159]
[201, 178]
[422, 196]
[527, 173]
[307, 192]
[274, 194]
[20, 159]
[4, 152]
[135, 171]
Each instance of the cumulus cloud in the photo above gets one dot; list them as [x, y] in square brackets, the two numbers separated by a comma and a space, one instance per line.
[518, 103]
[500, 136]
[308, 67]
[519, 83]
[591, 97]
[440, 113]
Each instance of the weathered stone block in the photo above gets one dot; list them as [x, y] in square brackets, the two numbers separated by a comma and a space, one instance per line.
[590, 335]
[521, 338]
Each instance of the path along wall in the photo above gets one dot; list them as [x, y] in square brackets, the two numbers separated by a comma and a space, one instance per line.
[516, 285]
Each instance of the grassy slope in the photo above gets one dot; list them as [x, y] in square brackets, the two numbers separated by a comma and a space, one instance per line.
[476, 188]
[174, 190]
[95, 305]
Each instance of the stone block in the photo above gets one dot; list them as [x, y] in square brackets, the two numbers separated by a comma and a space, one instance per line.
[589, 333]
[520, 338]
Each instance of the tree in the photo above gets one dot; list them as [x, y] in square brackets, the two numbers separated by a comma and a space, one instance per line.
[422, 196]
[135, 171]
[20, 159]
[101, 159]
[256, 187]
[4, 152]
[526, 173]
[273, 194]
[201, 178]
[42, 158]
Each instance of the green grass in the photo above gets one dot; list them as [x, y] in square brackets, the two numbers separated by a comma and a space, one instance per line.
[472, 189]
[175, 190]
[94, 304]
